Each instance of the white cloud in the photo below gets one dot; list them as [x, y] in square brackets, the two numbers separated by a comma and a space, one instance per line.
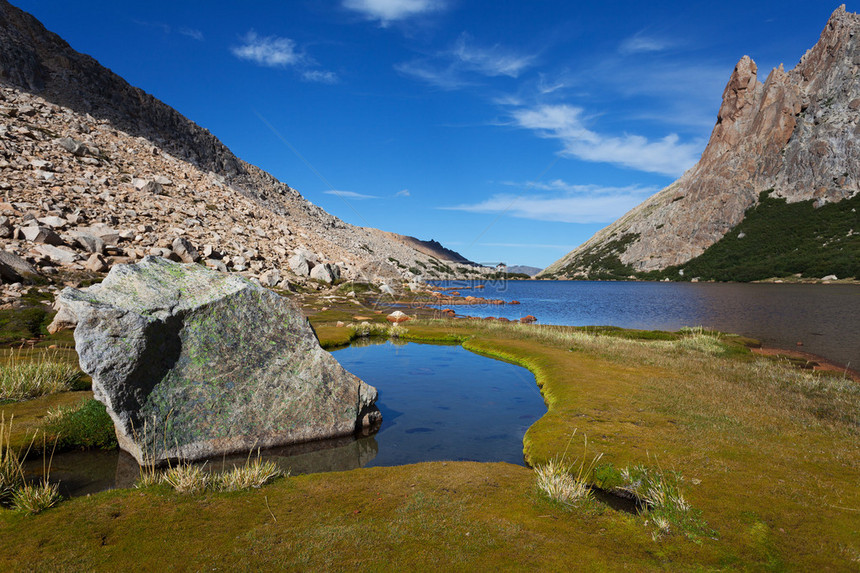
[350, 195]
[640, 43]
[403, 193]
[387, 11]
[192, 33]
[569, 203]
[667, 156]
[320, 76]
[494, 61]
[450, 69]
[269, 51]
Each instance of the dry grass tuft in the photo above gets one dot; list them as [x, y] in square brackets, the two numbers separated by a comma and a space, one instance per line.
[187, 478]
[567, 483]
[23, 378]
[253, 474]
[555, 480]
[35, 498]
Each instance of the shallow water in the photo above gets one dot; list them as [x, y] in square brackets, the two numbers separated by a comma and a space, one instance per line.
[824, 318]
[438, 403]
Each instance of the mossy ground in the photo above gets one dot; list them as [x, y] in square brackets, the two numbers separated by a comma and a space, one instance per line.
[770, 457]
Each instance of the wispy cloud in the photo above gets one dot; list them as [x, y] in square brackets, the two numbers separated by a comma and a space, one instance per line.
[403, 193]
[667, 156]
[640, 43]
[320, 76]
[351, 195]
[443, 77]
[456, 67]
[192, 33]
[279, 52]
[493, 61]
[387, 11]
[563, 202]
[269, 51]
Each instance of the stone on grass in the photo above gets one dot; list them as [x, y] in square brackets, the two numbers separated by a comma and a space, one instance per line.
[397, 317]
[193, 363]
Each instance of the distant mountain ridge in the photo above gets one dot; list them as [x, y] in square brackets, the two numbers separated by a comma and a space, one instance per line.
[796, 136]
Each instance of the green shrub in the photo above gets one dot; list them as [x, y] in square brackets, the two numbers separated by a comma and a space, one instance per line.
[779, 239]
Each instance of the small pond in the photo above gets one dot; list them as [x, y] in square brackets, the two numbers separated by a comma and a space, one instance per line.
[438, 402]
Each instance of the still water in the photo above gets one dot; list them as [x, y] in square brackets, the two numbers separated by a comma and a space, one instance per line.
[825, 318]
[437, 402]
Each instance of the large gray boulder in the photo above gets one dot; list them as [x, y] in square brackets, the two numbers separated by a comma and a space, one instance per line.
[192, 363]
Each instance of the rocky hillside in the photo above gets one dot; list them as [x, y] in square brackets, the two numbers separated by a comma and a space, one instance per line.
[94, 171]
[794, 136]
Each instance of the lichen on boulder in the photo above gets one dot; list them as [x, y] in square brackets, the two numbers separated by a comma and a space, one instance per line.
[193, 363]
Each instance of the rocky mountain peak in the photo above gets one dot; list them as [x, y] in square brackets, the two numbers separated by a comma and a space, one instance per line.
[796, 133]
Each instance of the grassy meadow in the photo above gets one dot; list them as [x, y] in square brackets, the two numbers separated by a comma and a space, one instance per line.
[737, 462]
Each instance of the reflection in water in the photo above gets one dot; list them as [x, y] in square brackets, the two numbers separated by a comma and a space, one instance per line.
[438, 402]
[445, 403]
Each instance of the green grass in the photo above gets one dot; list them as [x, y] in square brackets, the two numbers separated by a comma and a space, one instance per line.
[739, 461]
[85, 425]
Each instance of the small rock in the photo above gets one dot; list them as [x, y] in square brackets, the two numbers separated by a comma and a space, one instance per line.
[96, 264]
[73, 146]
[89, 242]
[6, 228]
[270, 278]
[58, 254]
[300, 265]
[55, 222]
[41, 235]
[14, 269]
[183, 248]
[397, 317]
[322, 273]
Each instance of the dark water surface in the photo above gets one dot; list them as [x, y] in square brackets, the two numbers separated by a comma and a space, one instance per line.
[438, 403]
[825, 318]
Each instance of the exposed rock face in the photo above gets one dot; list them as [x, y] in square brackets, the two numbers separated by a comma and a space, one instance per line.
[79, 142]
[797, 133]
[193, 363]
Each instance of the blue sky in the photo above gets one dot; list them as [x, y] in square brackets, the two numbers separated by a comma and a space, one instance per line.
[509, 131]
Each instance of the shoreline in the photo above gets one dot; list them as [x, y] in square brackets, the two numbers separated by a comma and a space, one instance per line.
[814, 362]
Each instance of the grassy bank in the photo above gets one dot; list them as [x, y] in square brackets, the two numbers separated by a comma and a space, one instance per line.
[766, 456]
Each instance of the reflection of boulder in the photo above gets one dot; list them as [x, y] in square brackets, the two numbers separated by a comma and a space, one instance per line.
[334, 455]
[192, 363]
